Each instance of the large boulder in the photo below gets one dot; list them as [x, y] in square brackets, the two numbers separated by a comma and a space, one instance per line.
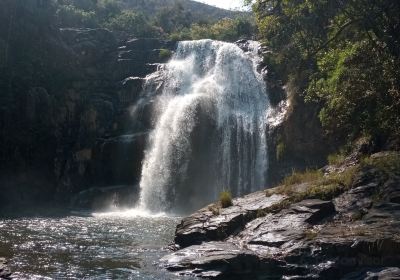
[354, 235]
[213, 223]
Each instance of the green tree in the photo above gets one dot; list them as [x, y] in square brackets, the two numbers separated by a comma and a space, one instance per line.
[71, 16]
[173, 19]
[344, 55]
[132, 22]
[225, 30]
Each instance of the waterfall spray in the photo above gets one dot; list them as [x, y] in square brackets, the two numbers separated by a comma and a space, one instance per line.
[212, 91]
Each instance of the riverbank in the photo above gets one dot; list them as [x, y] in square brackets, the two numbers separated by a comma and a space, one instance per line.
[5, 272]
[342, 221]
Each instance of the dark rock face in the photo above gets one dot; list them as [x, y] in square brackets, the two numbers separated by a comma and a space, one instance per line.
[5, 272]
[385, 273]
[214, 259]
[73, 131]
[353, 236]
[105, 198]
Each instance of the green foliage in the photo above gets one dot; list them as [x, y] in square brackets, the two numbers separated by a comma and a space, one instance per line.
[164, 54]
[224, 30]
[336, 159]
[349, 58]
[388, 163]
[71, 16]
[131, 22]
[173, 18]
[317, 185]
[360, 95]
[280, 150]
[302, 177]
[177, 21]
[311, 234]
[225, 198]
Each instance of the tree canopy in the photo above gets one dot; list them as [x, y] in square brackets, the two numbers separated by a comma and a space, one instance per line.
[346, 57]
[168, 21]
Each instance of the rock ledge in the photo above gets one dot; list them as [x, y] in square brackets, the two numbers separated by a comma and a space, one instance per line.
[354, 235]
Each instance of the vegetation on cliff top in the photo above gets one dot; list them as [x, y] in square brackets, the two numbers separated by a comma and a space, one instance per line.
[346, 57]
[168, 19]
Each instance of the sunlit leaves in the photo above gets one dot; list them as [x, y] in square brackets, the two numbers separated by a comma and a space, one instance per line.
[350, 53]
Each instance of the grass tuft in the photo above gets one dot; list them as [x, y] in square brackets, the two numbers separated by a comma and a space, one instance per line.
[214, 209]
[336, 159]
[302, 177]
[280, 151]
[225, 198]
[310, 234]
[164, 54]
[389, 163]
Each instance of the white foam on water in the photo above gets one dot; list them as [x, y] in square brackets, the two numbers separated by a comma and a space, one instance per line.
[129, 213]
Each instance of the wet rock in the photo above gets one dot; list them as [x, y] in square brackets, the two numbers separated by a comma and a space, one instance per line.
[63, 120]
[94, 50]
[150, 44]
[391, 190]
[374, 274]
[118, 160]
[105, 198]
[213, 259]
[353, 236]
[131, 88]
[318, 209]
[5, 272]
[138, 56]
[214, 223]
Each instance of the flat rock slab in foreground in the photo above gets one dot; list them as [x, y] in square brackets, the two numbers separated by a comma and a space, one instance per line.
[356, 235]
[213, 259]
[207, 225]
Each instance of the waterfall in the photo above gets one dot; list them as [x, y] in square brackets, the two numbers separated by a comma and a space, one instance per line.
[210, 127]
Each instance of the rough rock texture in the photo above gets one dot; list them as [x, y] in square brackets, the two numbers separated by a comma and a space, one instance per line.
[5, 272]
[67, 126]
[105, 198]
[353, 236]
[213, 223]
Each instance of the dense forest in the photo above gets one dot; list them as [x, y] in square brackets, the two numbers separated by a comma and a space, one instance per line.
[344, 56]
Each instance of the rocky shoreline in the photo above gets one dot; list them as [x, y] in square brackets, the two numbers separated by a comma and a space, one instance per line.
[5, 272]
[345, 225]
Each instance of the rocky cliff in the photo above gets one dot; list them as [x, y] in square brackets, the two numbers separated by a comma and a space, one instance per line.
[66, 127]
[69, 127]
[342, 224]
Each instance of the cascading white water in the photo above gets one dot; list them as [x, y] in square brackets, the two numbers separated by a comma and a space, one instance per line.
[216, 83]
